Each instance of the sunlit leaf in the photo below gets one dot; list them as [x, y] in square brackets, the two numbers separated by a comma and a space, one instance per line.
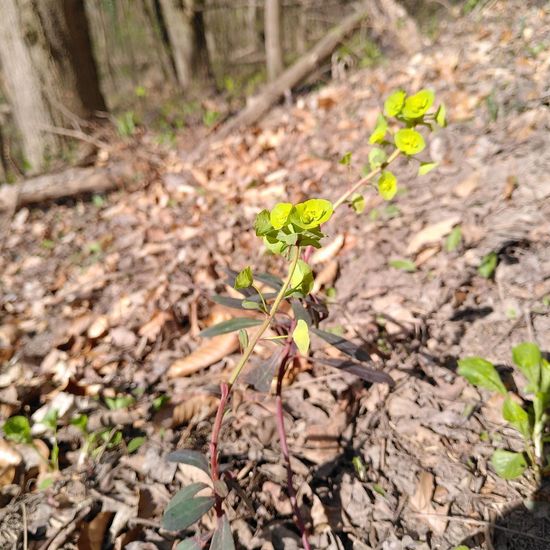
[302, 280]
[279, 214]
[312, 213]
[409, 141]
[508, 465]
[387, 185]
[18, 429]
[482, 373]
[417, 105]
[528, 358]
[488, 265]
[244, 279]
[403, 264]
[300, 335]
[517, 417]
[379, 133]
[135, 443]
[377, 157]
[453, 239]
[426, 167]
[441, 116]
[394, 103]
[357, 202]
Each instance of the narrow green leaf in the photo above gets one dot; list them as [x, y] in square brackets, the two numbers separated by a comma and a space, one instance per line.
[482, 373]
[243, 338]
[528, 358]
[244, 279]
[191, 457]
[488, 265]
[222, 539]
[135, 443]
[262, 224]
[453, 239]
[189, 544]
[300, 335]
[508, 465]
[426, 167]
[185, 508]
[230, 326]
[517, 417]
[403, 265]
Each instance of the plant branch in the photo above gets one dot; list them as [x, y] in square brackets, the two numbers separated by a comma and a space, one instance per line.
[286, 454]
[267, 321]
[357, 185]
[214, 466]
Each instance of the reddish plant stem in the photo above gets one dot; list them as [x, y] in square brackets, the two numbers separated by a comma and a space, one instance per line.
[216, 429]
[286, 454]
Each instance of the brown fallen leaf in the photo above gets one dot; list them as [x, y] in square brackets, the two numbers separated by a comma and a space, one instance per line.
[326, 276]
[466, 187]
[421, 501]
[93, 533]
[9, 460]
[98, 327]
[152, 328]
[197, 407]
[509, 188]
[209, 352]
[329, 251]
[431, 234]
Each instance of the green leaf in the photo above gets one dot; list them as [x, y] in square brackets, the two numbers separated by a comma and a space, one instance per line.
[50, 419]
[346, 159]
[300, 335]
[403, 265]
[18, 429]
[417, 105]
[395, 102]
[222, 538]
[262, 224]
[312, 213]
[488, 265]
[426, 167]
[244, 279]
[545, 376]
[81, 422]
[517, 417]
[387, 185]
[481, 373]
[377, 157]
[302, 280]
[409, 141]
[379, 132]
[441, 116]
[461, 547]
[46, 483]
[230, 326]
[119, 402]
[274, 246]
[528, 358]
[358, 203]
[243, 338]
[185, 509]
[279, 214]
[135, 443]
[190, 457]
[453, 239]
[508, 465]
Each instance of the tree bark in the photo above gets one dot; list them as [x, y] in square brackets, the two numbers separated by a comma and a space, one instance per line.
[184, 23]
[273, 44]
[48, 69]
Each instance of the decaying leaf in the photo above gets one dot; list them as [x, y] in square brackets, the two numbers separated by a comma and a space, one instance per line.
[422, 502]
[329, 251]
[209, 352]
[152, 328]
[431, 233]
[93, 533]
[9, 460]
[197, 407]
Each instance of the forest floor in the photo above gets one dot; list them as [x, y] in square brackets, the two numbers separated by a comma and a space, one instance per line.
[101, 299]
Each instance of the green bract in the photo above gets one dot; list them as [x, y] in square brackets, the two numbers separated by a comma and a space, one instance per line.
[279, 214]
[409, 141]
[394, 103]
[387, 185]
[417, 105]
[312, 213]
[377, 157]
[441, 116]
[301, 336]
[301, 281]
[380, 130]
[262, 224]
[244, 279]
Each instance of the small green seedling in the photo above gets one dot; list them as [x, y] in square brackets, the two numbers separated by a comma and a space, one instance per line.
[293, 231]
[528, 417]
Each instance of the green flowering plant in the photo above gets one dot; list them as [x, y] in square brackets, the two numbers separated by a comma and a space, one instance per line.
[293, 231]
[528, 416]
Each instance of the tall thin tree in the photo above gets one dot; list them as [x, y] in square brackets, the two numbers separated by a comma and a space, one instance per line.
[273, 45]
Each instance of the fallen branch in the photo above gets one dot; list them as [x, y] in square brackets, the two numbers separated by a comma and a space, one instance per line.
[73, 181]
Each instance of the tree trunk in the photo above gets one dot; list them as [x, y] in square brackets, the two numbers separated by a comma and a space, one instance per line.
[48, 70]
[273, 47]
[184, 23]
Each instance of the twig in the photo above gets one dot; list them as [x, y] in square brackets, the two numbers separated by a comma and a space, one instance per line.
[75, 134]
[214, 466]
[25, 527]
[285, 452]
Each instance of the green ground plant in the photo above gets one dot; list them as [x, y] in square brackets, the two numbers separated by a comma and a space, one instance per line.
[527, 416]
[294, 231]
